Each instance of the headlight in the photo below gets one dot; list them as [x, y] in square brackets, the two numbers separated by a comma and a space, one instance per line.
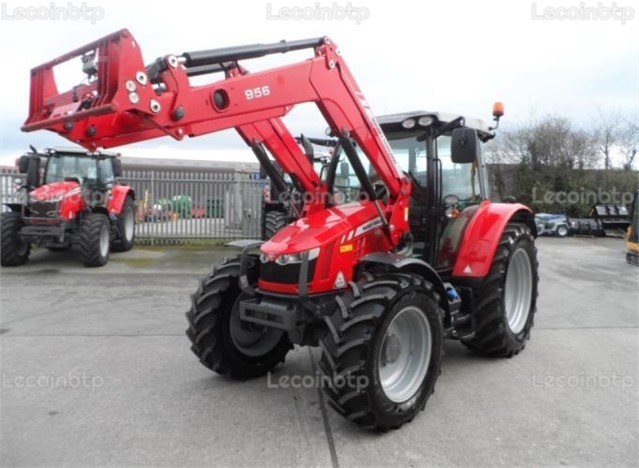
[425, 121]
[46, 200]
[288, 259]
[408, 123]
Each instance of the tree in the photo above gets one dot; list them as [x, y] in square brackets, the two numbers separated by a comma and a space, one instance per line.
[629, 143]
[617, 135]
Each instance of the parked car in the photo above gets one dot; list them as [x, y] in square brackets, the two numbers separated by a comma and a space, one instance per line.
[552, 224]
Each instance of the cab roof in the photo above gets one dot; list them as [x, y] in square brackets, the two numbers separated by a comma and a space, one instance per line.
[77, 152]
[392, 123]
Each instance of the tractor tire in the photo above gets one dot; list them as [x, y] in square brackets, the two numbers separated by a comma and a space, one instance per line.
[15, 251]
[219, 339]
[94, 240]
[126, 228]
[506, 299]
[274, 221]
[382, 352]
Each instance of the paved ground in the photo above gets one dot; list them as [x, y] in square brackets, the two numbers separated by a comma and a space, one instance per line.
[96, 370]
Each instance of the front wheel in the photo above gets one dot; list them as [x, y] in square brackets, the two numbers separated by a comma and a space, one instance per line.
[506, 299]
[221, 341]
[382, 352]
[94, 240]
[14, 250]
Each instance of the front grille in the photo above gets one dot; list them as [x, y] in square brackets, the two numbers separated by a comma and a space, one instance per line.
[285, 274]
[44, 209]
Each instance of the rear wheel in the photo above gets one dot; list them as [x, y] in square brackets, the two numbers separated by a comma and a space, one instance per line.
[274, 222]
[562, 231]
[382, 353]
[506, 299]
[94, 240]
[15, 250]
[126, 228]
[223, 342]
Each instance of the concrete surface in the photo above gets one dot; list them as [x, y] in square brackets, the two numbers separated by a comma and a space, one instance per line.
[96, 370]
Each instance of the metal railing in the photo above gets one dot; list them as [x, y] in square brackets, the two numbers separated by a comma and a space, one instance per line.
[176, 206]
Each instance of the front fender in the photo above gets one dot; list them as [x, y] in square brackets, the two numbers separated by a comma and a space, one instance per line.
[482, 236]
[406, 264]
[118, 197]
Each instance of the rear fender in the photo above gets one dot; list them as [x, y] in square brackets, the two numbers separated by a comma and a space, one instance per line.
[482, 236]
[119, 195]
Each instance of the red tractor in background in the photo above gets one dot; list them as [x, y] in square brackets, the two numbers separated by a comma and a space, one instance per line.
[396, 247]
[78, 201]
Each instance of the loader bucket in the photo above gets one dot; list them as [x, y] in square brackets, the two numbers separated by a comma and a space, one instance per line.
[110, 66]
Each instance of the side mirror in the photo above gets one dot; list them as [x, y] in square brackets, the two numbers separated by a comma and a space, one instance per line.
[33, 172]
[464, 147]
[263, 173]
[117, 167]
[23, 164]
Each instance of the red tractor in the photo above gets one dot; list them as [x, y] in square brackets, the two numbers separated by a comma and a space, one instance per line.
[396, 247]
[77, 202]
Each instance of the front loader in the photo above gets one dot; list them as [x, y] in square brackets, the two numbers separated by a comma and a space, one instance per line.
[396, 247]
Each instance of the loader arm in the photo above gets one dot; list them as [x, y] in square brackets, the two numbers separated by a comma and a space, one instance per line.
[125, 102]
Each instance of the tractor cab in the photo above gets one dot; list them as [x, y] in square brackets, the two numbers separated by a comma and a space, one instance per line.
[85, 170]
[441, 155]
[89, 170]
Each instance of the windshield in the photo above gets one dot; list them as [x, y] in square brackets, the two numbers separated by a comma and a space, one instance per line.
[411, 157]
[61, 167]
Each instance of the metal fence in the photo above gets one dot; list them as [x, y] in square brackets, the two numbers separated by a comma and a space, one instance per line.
[175, 206]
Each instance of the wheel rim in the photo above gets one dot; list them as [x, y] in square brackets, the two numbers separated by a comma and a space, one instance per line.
[405, 354]
[251, 339]
[562, 231]
[129, 224]
[104, 241]
[518, 290]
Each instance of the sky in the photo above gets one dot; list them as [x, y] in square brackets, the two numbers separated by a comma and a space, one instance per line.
[565, 57]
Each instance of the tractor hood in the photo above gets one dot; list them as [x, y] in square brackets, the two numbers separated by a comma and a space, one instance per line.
[320, 229]
[55, 191]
